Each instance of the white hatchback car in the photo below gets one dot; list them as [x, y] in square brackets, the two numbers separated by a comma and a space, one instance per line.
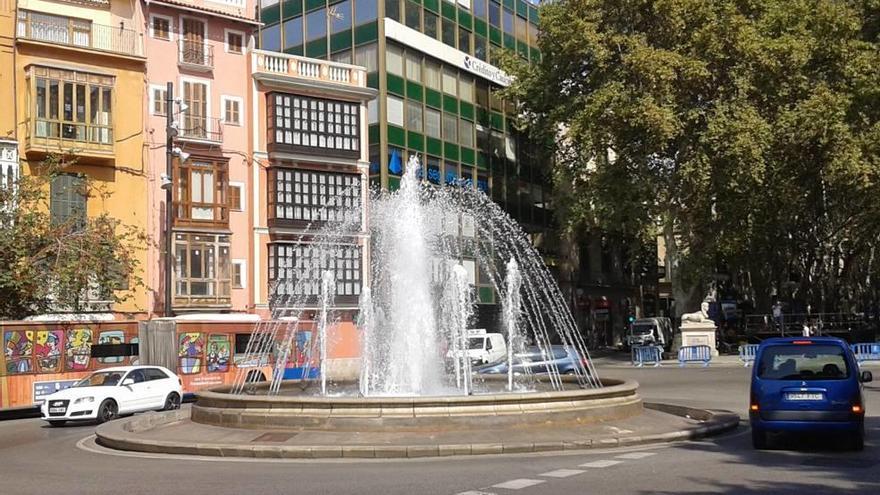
[109, 392]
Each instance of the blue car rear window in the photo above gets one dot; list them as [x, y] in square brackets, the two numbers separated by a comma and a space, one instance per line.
[803, 362]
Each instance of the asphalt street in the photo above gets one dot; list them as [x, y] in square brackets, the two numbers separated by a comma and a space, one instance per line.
[35, 458]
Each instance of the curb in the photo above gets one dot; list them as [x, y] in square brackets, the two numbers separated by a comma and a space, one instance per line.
[120, 435]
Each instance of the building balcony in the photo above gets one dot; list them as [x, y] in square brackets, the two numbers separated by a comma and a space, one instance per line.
[293, 73]
[201, 130]
[89, 142]
[195, 55]
[78, 33]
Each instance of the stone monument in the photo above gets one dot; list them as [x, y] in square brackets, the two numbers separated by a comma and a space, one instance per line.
[697, 329]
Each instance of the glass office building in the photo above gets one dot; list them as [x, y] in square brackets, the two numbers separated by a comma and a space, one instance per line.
[432, 63]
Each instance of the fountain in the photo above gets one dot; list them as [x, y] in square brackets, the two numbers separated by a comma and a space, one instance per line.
[428, 249]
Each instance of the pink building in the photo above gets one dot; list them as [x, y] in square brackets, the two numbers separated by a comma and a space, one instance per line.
[201, 47]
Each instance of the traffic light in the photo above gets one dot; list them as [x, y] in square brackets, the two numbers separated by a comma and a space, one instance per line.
[631, 318]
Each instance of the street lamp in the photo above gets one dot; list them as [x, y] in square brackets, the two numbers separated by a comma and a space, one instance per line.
[172, 130]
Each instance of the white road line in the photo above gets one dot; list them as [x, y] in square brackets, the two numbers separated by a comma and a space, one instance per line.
[600, 464]
[562, 473]
[518, 484]
[474, 492]
[636, 455]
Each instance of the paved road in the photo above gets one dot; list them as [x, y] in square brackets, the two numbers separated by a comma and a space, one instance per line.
[38, 459]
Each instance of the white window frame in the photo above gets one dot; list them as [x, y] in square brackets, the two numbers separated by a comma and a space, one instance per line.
[240, 100]
[153, 100]
[244, 41]
[170, 26]
[241, 195]
[243, 264]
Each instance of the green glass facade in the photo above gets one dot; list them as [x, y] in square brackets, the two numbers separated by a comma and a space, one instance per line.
[452, 119]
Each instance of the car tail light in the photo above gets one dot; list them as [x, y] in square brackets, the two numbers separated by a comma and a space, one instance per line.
[858, 409]
[802, 342]
[753, 403]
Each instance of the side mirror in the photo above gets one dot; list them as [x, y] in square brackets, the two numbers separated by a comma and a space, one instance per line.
[866, 377]
[127, 382]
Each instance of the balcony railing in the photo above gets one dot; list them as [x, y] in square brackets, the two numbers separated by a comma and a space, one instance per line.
[52, 135]
[81, 33]
[196, 54]
[281, 64]
[201, 129]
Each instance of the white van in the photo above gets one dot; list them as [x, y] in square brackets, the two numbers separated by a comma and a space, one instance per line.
[484, 347]
[650, 331]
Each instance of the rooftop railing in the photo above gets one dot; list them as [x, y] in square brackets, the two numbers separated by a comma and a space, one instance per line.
[80, 33]
[307, 68]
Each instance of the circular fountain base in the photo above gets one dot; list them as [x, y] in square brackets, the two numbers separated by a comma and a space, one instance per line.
[296, 408]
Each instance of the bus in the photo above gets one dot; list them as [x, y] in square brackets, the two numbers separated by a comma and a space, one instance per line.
[206, 351]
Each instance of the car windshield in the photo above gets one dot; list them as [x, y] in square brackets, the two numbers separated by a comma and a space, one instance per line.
[803, 362]
[476, 342]
[101, 379]
[642, 329]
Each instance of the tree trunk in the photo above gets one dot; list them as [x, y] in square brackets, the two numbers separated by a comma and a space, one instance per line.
[685, 297]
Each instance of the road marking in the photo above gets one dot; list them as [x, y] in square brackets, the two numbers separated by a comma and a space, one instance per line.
[636, 455]
[562, 473]
[518, 484]
[600, 464]
[475, 492]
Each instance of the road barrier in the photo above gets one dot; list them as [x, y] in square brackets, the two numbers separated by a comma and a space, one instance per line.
[694, 354]
[747, 354]
[869, 351]
[646, 354]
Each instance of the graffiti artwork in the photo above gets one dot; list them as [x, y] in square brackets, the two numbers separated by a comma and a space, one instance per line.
[190, 352]
[17, 347]
[218, 353]
[111, 337]
[48, 351]
[78, 350]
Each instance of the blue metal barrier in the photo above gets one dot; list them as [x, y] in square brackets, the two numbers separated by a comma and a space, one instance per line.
[747, 353]
[869, 351]
[694, 354]
[646, 354]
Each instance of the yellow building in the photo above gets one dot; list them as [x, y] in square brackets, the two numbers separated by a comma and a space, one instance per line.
[8, 145]
[79, 89]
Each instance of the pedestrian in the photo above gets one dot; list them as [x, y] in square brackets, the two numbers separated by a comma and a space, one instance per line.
[777, 314]
[807, 331]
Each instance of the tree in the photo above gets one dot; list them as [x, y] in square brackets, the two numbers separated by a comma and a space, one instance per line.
[745, 132]
[53, 264]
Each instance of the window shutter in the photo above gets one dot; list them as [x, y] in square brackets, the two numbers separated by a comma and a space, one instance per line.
[235, 198]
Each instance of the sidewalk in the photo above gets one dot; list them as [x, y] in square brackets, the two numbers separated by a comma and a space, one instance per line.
[174, 433]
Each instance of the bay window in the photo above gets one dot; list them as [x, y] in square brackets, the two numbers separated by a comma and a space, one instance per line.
[316, 125]
[297, 269]
[72, 105]
[303, 196]
[202, 192]
[203, 270]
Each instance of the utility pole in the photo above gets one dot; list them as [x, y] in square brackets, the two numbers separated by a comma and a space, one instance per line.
[167, 184]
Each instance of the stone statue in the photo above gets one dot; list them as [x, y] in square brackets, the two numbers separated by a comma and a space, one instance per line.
[703, 314]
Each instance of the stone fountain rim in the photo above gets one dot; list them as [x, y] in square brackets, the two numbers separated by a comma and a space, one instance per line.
[611, 388]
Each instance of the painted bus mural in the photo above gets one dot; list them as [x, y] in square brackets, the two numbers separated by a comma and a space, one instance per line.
[41, 358]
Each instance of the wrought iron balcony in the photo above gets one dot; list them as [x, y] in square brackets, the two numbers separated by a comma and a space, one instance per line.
[201, 129]
[196, 55]
[79, 33]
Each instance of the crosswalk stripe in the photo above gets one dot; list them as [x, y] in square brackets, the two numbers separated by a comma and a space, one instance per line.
[562, 473]
[600, 464]
[636, 455]
[518, 484]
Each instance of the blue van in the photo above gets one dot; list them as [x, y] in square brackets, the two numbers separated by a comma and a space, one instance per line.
[807, 384]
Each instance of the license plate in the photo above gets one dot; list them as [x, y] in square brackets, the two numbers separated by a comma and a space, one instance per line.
[56, 409]
[803, 396]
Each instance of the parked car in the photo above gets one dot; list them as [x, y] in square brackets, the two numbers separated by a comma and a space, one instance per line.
[109, 392]
[533, 360]
[650, 331]
[807, 385]
[484, 347]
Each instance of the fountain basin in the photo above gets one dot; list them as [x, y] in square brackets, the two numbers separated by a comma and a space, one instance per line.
[295, 409]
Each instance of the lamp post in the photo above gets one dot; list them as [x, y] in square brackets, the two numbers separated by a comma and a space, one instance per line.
[172, 106]
[167, 183]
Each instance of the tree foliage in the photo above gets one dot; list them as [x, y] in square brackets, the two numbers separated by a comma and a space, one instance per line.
[745, 131]
[52, 265]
